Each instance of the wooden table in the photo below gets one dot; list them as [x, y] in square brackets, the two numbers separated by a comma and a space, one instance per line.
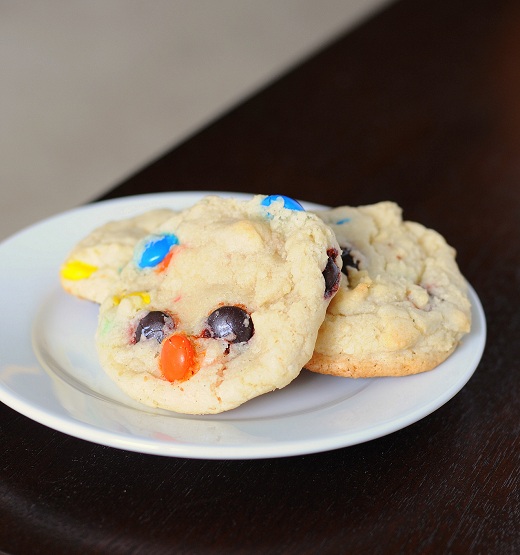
[420, 105]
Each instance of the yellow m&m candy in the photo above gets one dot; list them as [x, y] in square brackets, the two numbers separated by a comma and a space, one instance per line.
[76, 270]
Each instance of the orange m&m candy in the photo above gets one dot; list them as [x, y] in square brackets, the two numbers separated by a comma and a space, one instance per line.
[177, 357]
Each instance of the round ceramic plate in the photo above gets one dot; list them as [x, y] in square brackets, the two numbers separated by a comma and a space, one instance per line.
[49, 369]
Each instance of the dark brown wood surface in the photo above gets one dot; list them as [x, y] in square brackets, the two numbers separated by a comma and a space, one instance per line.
[420, 105]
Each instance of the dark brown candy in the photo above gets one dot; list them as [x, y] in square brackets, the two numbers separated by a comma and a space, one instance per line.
[348, 260]
[231, 323]
[155, 325]
[331, 274]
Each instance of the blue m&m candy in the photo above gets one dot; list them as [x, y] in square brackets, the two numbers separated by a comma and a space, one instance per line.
[156, 249]
[288, 202]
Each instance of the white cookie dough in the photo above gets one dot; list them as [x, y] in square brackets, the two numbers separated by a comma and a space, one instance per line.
[265, 261]
[94, 263]
[403, 308]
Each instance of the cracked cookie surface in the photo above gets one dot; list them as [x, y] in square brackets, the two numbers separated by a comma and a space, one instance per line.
[220, 304]
[402, 306]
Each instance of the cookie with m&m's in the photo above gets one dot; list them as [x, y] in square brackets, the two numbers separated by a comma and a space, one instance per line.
[402, 306]
[94, 263]
[220, 304]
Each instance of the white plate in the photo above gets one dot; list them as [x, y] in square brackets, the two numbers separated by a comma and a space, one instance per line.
[50, 373]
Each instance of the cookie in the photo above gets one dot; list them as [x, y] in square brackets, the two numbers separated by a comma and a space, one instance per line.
[221, 304]
[94, 263]
[402, 306]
